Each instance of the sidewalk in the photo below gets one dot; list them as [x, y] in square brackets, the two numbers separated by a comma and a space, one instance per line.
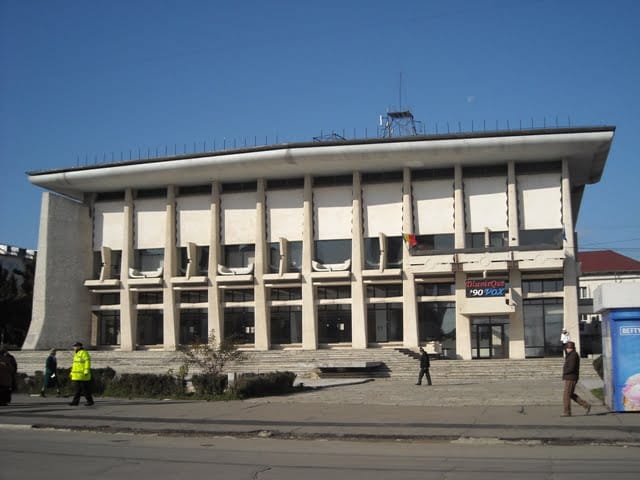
[387, 409]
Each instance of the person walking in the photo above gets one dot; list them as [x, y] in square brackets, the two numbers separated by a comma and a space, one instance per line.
[81, 375]
[570, 375]
[424, 367]
[8, 372]
[564, 338]
[50, 374]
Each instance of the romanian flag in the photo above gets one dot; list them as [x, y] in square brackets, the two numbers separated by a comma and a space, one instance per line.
[410, 238]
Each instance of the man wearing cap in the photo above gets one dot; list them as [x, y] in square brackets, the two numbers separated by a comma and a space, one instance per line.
[81, 375]
[570, 375]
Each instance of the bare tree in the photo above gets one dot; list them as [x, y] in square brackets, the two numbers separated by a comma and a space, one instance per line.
[211, 357]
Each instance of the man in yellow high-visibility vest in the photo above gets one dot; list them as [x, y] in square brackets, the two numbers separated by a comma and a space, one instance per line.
[81, 375]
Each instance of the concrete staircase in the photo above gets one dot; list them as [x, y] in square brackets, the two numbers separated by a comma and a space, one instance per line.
[304, 363]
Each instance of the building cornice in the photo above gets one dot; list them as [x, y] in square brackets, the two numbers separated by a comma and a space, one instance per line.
[586, 149]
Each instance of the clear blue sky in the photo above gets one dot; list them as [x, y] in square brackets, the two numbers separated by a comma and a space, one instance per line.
[84, 81]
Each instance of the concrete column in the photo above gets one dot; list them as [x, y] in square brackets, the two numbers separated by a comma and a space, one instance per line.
[261, 317]
[127, 297]
[463, 323]
[516, 319]
[358, 307]
[512, 205]
[61, 311]
[571, 316]
[458, 207]
[309, 314]
[409, 305]
[171, 317]
[216, 324]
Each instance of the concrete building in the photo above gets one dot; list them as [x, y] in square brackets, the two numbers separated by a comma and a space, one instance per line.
[599, 268]
[462, 243]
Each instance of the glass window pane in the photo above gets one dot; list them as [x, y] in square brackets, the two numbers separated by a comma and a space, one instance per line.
[286, 325]
[239, 325]
[294, 256]
[332, 251]
[334, 323]
[150, 327]
[437, 322]
[193, 326]
[371, 253]
[394, 252]
[108, 328]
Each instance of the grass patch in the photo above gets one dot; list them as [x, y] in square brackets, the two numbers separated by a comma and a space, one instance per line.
[598, 393]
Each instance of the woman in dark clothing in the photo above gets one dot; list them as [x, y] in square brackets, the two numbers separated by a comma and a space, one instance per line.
[50, 373]
[8, 371]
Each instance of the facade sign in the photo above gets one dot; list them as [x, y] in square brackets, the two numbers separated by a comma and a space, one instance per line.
[485, 288]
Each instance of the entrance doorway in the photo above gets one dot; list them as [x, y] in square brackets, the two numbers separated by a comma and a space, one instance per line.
[489, 337]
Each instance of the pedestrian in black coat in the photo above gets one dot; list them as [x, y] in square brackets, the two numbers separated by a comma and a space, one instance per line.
[424, 367]
[571, 375]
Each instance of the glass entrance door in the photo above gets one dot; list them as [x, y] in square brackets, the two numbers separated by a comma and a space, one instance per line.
[489, 337]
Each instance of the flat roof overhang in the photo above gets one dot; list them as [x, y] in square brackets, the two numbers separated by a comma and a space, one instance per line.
[586, 149]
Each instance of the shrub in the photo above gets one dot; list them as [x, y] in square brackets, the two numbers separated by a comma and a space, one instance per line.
[145, 385]
[100, 378]
[258, 385]
[210, 357]
[207, 384]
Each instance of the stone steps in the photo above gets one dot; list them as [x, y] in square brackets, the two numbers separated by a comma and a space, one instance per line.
[304, 362]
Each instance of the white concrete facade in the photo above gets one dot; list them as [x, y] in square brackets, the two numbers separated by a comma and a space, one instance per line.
[310, 246]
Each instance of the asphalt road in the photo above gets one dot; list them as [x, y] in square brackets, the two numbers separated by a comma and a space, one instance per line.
[29, 454]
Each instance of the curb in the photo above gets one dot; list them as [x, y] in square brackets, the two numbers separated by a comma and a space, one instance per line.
[280, 435]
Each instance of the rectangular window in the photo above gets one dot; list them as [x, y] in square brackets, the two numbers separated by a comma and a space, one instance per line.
[384, 291]
[108, 328]
[150, 327]
[435, 289]
[334, 323]
[239, 325]
[201, 260]
[550, 238]
[384, 322]
[286, 325]
[543, 320]
[332, 251]
[194, 296]
[148, 259]
[428, 244]
[194, 190]
[542, 286]
[285, 293]
[330, 293]
[147, 298]
[393, 254]
[294, 256]
[110, 298]
[437, 322]
[193, 326]
[151, 193]
[238, 256]
[238, 295]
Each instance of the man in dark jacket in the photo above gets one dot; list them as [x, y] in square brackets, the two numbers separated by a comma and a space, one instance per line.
[424, 367]
[570, 375]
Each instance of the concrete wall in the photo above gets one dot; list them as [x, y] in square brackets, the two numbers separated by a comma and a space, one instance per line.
[61, 303]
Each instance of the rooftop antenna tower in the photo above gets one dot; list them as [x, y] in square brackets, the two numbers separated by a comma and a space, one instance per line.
[400, 122]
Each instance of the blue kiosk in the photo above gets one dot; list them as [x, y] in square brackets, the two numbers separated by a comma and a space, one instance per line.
[619, 305]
